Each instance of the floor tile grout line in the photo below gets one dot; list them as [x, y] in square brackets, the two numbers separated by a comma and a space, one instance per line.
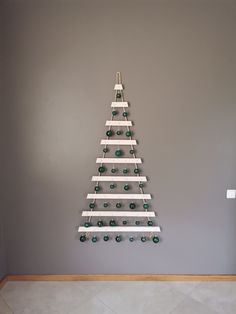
[107, 306]
[7, 304]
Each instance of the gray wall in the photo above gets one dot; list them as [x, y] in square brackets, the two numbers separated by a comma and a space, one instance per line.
[178, 60]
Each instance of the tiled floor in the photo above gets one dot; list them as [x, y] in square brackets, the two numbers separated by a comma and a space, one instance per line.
[118, 297]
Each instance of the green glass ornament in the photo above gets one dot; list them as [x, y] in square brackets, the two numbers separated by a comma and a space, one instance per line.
[105, 150]
[92, 205]
[143, 239]
[97, 188]
[125, 170]
[145, 205]
[125, 114]
[155, 239]
[128, 133]
[109, 133]
[112, 223]
[118, 238]
[131, 239]
[105, 204]
[124, 222]
[132, 151]
[132, 206]
[119, 132]
[114, 112]
[150, 223]
[87, 224]
[136, 170]
[118, 95]
[101, 169]
[112, 186]
[82, 238]
[113, 170]
[126, 187]
[118, 153]
[94, 239]
[100, 223]
[141, 185]
[106, 238]
[118, 205]
[137, 222]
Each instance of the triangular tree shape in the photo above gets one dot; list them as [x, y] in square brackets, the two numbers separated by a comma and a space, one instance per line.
[127, 211]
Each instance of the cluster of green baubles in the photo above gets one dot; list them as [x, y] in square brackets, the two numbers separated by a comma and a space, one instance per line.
[112, 186]
[110, 133]
[119, 205]
[103, 169]
[118, 152]
[124, 114]
[113, 223]
[118, 238]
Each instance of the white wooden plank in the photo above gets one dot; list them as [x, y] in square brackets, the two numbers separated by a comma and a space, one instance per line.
[118, 142]
[117, 214]
[119, 160]
[119, 104]
[112, 196]
[120, 229]
[118, 123]
[118, 87]
[119, 178]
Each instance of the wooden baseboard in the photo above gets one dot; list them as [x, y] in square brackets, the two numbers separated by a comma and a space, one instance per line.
[117, 278]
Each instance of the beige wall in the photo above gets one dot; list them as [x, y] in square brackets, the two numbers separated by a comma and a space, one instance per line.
[178, 60]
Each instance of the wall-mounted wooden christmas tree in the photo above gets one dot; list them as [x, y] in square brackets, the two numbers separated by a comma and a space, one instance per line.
[122, 212]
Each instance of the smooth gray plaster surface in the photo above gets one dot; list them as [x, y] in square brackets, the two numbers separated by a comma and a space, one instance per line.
[178, 61]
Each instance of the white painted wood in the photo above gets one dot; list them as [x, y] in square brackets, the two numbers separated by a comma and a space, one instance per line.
[118, 87]
[119, 160]
[119, 178]
[120, 229]
[112, 196]
[118, 142]
[117, 214]
[118, 123]
[118, 104]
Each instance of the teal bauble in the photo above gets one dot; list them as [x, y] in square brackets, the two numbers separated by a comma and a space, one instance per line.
[113, 170]
[114, 112]
[118, 95]
[124, 222]
[131, 239]
[155, 239]
[136, 170]
[118, 205]
[92, 205]
[126, 187]
[82, 238]
[150, 223]
[87, 224]
[94, 239]
[106, 238]
[112, 186]
[141, 185]
[119, 132]
[100, 223]
[118, 238]
[97, 188]
[109, 133]
[132, 206]
[125, 114]
[101, 169]
[112, 223]
[128, 133]
[132, 151]
[105, 204]
[118, 153]
[125, 170]
[105, 150]
[143, 239]
[137, 222]
[145, 205]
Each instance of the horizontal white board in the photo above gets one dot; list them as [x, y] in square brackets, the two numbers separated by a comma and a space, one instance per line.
[111, 196]
[117, 214]
[119, 229]
[118, 123]
[119, 178]
[119, 160]
[119, 104]
[118, 87]
[118, 142]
